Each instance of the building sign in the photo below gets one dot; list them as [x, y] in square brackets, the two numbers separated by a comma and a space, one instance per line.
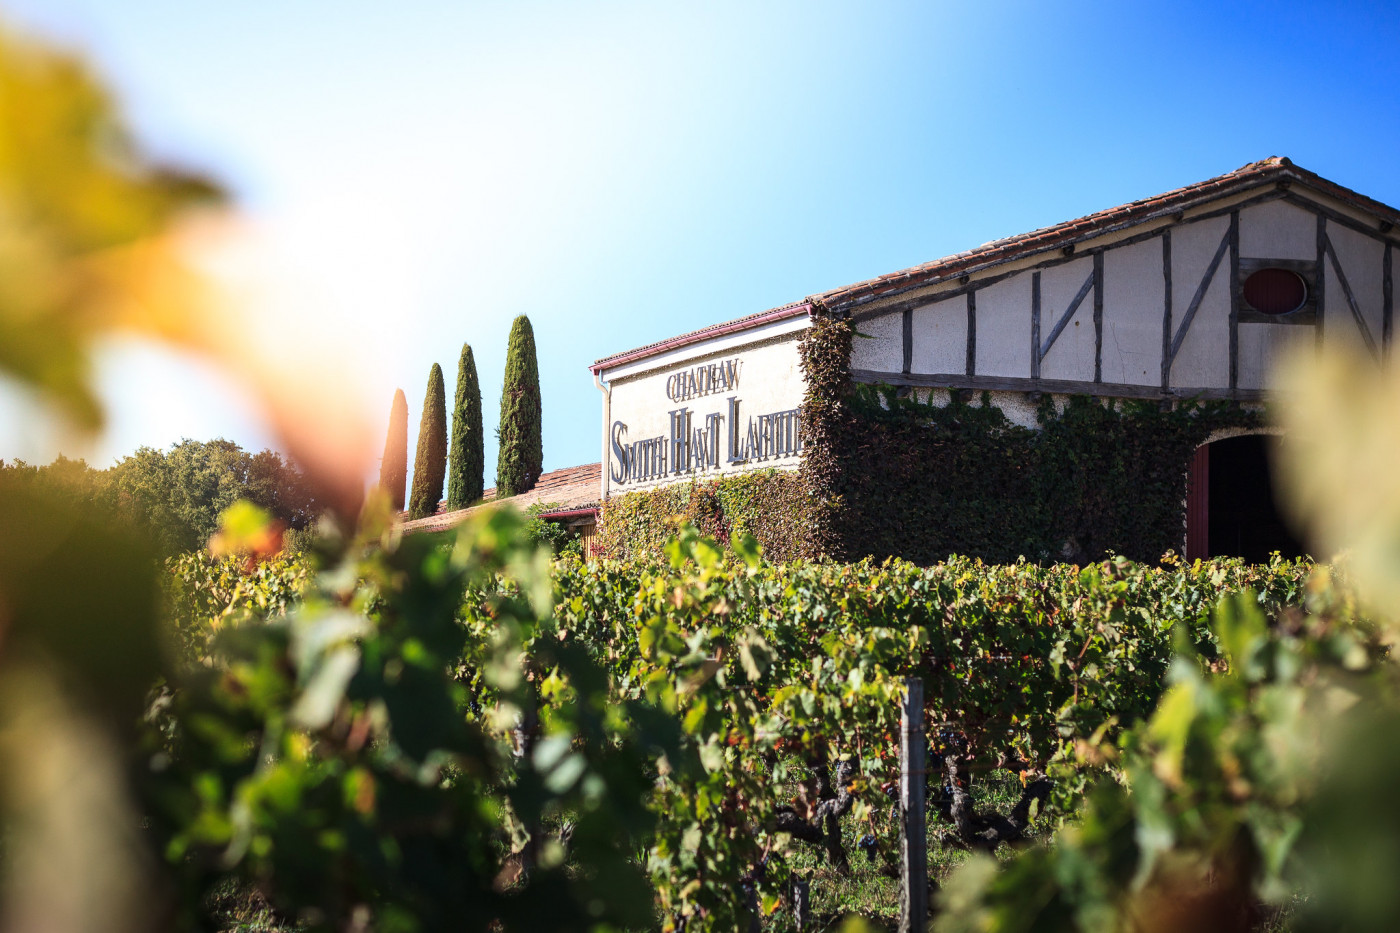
[708, 437]
[703, 380]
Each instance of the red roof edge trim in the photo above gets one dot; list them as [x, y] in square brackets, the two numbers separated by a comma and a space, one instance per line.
[718, 330]
[570, 513]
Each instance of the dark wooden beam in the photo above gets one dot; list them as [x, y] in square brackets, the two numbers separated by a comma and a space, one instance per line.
[1166, 309]
[924, 301]
[908, 339]
[1198, 297]
[1234, 299]
[1274, 194]
[1052, 386]
[1069, 313]
[1305, 317]
[971, 333]
[1336, 217]
[1098, 316]
[1388, 299]
[1321, 284]
[1351, 298]
[1035, 325]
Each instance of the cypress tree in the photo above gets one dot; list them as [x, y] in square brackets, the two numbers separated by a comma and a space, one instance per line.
[430, 462]
[466, 459]
[393, 468]
[521, 458]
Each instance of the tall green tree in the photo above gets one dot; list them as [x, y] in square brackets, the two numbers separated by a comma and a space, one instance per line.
[430, 461]
[466, 459]
[393, 468]
[521, 458]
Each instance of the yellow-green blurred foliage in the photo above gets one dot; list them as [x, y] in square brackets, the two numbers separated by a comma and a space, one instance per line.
[1340, 464]
[87, 227]
[87, 246]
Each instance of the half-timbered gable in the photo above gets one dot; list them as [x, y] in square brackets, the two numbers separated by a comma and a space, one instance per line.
[1154, 299]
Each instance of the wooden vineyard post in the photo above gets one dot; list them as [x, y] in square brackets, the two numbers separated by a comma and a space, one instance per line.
[913, 901]
[801, 902]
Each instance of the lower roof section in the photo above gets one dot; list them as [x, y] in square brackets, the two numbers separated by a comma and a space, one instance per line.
[568, 493]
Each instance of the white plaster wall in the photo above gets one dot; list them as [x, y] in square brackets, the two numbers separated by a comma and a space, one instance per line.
[938, 397]
[1133, 296]
[882, 347]
[1016, 406]
[940, 337]
[1361, 259]
[1262, 346]
[770, 379]
[1204, 357]
[1004, 328]
[1277, 230]
[1072, 355]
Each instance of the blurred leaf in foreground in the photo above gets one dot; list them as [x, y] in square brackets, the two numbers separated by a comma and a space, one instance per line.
[1338, 465]
[78, 653]
[88, 245]
[86, 227]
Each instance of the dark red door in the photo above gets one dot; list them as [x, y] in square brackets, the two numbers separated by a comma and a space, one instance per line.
[1198, 505]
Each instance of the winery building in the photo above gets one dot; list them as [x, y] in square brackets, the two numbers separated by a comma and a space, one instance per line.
[1167, 313]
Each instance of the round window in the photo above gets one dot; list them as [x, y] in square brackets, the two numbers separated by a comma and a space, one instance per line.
[1275, 291]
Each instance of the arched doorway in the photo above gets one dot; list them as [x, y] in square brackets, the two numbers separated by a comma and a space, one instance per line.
[1230, 507]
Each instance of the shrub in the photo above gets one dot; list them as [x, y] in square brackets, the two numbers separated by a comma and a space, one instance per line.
[553, 535]
[374, 754]
[770, 505]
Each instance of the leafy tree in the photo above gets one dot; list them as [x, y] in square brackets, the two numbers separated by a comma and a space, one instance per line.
[466, 479]
[393, 468]
[175, 496]
[521, 458]
[178, 496]
[430, 461]
[73, 481]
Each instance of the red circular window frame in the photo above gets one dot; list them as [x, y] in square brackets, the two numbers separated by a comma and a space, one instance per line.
[1274, 291]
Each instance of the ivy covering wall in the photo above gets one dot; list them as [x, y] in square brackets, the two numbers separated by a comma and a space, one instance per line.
[770, 505]
[886, 476]
[899, 477]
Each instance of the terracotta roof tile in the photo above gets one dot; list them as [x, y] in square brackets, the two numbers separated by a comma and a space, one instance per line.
[570, 488]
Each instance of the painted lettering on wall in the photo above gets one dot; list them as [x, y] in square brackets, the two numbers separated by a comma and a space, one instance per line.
[696, 443]
[637, 461]
[703, 380]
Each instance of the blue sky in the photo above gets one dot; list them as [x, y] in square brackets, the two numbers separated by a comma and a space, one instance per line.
[624, 172]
